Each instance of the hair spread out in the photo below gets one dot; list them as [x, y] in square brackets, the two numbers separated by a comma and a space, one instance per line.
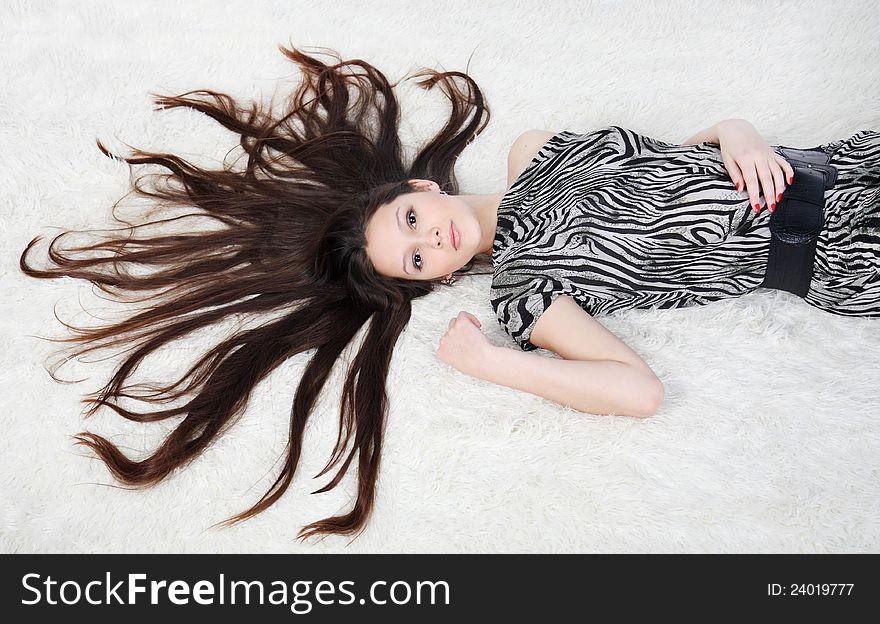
[287, 240]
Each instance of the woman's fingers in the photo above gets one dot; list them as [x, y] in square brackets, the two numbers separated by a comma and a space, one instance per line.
[750, 175]
[770, 178]
[787, 169]
[768, 186]
[465, 316]
[778, 181]
[732, 170]
[472, 318]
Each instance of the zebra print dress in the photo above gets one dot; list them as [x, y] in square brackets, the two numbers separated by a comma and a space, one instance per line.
[618, 220]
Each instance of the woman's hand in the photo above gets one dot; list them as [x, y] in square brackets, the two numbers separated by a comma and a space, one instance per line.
[749, 159]
[464, 346]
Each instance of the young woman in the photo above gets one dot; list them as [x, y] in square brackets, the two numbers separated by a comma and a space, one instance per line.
[326, 229]
[608, 220]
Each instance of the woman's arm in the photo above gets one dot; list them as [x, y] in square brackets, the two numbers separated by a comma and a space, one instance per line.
[593, 386]
[709, 135]
[598, 374]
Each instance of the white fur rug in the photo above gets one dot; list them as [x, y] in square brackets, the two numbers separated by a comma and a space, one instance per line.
[769, 436]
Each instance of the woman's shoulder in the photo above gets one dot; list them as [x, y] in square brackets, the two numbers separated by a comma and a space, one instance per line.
[528, 145]
[524, 150]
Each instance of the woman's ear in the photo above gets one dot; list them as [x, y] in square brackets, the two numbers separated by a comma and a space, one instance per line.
[424, 185]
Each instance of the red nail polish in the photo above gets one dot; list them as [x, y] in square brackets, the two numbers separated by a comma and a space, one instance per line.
[778, 197]
[757, 207]
[790, 179]
[772, 207]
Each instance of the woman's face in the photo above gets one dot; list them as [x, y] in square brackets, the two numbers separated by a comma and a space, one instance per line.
[410, 237]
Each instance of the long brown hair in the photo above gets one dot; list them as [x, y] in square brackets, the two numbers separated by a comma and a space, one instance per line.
[292, 242]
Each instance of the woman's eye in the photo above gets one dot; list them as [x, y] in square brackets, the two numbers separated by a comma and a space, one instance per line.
[416, 264]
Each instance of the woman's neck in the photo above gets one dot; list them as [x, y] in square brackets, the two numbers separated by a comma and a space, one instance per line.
[486, 209]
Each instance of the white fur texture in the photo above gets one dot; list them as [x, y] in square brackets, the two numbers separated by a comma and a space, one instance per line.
[768, 439]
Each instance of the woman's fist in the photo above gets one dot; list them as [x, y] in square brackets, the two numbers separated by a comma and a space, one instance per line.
[464, 346]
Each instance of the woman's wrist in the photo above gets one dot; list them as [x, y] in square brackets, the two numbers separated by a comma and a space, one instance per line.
[491, 359]
[733, 126]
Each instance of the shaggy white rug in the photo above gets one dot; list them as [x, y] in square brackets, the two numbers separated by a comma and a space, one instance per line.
[769, 436]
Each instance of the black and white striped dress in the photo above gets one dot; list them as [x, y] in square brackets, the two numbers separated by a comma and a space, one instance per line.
[618, 220]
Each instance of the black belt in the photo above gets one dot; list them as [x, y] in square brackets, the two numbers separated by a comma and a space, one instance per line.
[797, 220]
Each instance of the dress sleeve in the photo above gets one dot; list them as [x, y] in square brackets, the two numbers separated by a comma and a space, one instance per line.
[520, 302]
